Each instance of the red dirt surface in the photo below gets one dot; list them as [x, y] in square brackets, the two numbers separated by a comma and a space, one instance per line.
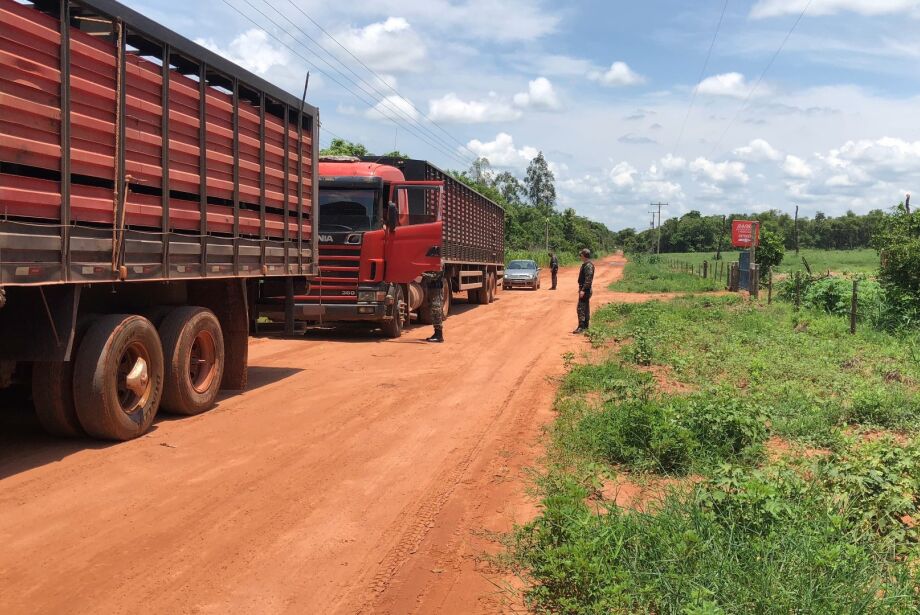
[357, 475]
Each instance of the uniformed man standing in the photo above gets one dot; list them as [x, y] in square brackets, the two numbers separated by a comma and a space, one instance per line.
[554, 268]
[434, 281]
[585, 280]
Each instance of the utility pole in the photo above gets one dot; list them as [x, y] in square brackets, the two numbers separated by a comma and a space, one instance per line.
[547, 235]
[659, 206]
[796, 230]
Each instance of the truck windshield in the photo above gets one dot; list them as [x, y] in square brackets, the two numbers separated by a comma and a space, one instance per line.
[348, 210]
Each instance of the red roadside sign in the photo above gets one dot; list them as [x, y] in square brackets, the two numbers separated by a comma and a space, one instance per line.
[743, 233]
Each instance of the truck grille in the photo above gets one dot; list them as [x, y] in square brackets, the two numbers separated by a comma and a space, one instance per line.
[337, 281]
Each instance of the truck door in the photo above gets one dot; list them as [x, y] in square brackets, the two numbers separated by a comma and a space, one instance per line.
[414, 230]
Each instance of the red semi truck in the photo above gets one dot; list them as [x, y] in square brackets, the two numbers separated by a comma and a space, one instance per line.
[386, 221]
[150, 193]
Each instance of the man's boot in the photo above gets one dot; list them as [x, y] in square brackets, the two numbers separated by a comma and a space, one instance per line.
[437, 337]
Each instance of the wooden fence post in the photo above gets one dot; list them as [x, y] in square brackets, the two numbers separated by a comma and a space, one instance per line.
[798, 291]
[770, 286]
[705, 269]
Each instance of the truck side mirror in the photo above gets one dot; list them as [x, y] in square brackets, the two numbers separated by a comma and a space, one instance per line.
[392, 216]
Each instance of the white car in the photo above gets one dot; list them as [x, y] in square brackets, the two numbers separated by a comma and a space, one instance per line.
[522, 274]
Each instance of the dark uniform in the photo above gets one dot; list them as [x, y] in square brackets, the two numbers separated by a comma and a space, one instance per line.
[554, 269]
[434, 281]
[585, 280]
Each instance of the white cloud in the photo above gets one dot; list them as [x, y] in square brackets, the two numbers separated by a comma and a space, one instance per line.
[251, 50]
[673, 163]
[758, 150]
[450, 108]
[796, 167]
[623, 175]
[619, 74]
[506, 21]
[540, 95]
[733, 85]
[776, 8]
[392, 107]
[723, 173]
[391, 46]
[502, 152]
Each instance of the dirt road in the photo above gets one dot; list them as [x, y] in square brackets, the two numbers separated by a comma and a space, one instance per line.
[356, 475]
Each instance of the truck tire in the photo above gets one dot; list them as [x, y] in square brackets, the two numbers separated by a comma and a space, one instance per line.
[393, 328]
[493, 287]
[448, 298]
[52, 394]
[482, 294]
[193, 350]
[118, 377]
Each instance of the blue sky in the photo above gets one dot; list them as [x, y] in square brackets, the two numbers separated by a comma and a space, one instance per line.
[603, 89]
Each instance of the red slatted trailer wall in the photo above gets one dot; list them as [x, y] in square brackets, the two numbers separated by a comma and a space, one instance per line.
[258, 164]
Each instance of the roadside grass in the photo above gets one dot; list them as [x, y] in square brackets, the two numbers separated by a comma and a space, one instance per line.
[644, 277]
[861, 261]
[828, 523]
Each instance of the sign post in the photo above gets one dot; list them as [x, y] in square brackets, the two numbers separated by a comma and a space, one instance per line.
[746, 234]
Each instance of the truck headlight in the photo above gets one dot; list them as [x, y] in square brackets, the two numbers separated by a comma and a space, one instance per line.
[365, 296]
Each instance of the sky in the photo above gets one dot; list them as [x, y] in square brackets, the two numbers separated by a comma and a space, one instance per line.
[773, 104]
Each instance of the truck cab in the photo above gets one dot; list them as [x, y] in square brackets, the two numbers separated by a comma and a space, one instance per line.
[378, 233]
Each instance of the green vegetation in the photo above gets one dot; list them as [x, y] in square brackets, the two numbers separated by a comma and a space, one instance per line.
[531, 218]
[694, 232]
[753, 518]
[899, 243]
[861, 261]
[654, 276]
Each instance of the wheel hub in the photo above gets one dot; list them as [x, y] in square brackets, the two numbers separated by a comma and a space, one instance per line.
[138, 378]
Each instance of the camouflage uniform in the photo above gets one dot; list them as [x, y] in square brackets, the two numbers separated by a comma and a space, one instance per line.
[585, 279]
[554, 269]
[434, 281]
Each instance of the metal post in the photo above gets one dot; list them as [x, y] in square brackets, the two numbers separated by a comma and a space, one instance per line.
[164, 159]
[65, 139]
[236, 176]
[203, 165]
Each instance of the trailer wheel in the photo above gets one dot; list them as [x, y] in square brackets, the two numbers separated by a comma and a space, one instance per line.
[393, 328]
[118, 377]
[448, 298]
[193, 349]
[493, 289]
[52, 394]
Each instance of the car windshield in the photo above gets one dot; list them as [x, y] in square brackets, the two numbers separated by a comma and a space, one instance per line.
[348, 210]
[522, 265]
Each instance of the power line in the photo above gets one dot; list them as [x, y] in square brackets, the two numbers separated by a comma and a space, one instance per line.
[384, 98]
[760, 79]
[378, 76]
[370, 104]
[699, 80]
[422, 136]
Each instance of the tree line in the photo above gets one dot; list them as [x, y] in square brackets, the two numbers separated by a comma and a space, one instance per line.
[531, 217]
[694, 232]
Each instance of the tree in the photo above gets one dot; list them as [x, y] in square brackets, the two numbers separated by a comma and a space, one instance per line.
[510, 187]
[540, 183]
[481, 171]
[770, 252]
[341, 147]
[898, 244]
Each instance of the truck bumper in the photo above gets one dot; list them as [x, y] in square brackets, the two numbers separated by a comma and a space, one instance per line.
[332, 312]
